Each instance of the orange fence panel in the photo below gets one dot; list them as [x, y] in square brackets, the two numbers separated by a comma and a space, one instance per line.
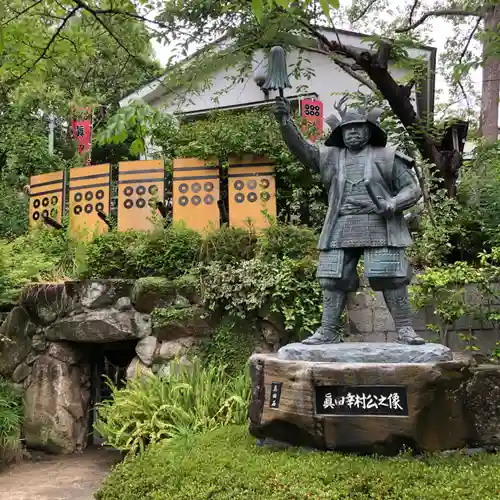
[89, 193]
[141, 184]
[196, 188]
[46, 197]
[252, 191]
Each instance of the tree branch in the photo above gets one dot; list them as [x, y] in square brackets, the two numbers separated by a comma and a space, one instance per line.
[19, 14]
[462, 55]
[440, 13]
[412, 11]
[364, 11]
[48, 46]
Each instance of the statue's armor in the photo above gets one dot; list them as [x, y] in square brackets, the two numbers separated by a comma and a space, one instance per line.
[357, 227]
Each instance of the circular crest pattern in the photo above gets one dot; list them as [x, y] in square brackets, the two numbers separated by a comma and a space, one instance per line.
[36, 203]
[153, 189]
[77, 209]
[128, 191]
[140, 190]
[45, 202]
[88, 208]
[45, 214]
[183, 201]
[183, 188]
[99, 194]
[128, 204]
[265, 196]
[264, 183]
[78, 197]
[209, 199]
[239, 185]
[196, 187]
[140, 203]
[89, 195]
[252, 197]
[239, 198]
[196, 200]
[54, 200]
[36, 215]
[99, 207]
[208, 187]
[252, 184]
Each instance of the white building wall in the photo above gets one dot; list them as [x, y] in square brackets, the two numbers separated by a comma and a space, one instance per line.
[327, 81]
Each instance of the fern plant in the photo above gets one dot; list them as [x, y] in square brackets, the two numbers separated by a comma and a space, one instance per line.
[189, 400]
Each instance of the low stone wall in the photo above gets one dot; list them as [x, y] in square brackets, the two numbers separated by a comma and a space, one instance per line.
[369, 320]
[48, 339]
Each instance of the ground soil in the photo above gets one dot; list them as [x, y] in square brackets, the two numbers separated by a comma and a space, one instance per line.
[70, 477]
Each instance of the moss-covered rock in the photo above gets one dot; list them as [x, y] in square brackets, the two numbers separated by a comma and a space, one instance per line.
[174, 322]
[151, 292]
[15, 340]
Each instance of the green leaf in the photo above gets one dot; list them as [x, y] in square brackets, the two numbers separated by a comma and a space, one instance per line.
[325, 5]
[258, 8]
[334, 3]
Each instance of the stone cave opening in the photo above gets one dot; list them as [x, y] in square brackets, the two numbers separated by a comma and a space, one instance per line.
[108, 364]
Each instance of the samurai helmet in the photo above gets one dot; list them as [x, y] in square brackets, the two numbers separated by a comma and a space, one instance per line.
[349, 116]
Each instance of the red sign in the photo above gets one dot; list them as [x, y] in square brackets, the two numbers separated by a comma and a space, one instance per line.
[82, 132]
[312, 111]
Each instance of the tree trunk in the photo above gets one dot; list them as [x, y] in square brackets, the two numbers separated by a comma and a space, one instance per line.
[491, 79]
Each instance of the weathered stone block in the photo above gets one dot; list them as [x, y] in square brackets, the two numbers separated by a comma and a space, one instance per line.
[174, 323]
[366, 352]
[137, 369]
[45, 302]
[151, 292]
[362, 320]
[382, 320]
[99, 326]
[146, 349]
[176, 348]
[15, 340]
[436, 420]
[56, 406]
[482, 398]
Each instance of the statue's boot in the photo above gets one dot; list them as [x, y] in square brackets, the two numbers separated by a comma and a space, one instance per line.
[399, 306]
[330, 331]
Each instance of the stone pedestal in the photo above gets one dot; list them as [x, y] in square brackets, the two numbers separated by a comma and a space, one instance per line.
[417, 397]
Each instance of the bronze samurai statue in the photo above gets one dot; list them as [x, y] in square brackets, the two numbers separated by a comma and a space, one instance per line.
[369, 185]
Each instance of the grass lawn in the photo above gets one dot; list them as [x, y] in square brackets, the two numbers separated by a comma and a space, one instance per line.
[227, 465]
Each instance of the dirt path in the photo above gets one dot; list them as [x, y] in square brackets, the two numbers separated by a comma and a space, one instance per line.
[73, 477]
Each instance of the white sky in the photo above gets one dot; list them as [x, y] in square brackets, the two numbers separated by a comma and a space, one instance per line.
[440, 31]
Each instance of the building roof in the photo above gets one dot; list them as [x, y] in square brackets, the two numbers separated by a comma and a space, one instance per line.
[153, 83]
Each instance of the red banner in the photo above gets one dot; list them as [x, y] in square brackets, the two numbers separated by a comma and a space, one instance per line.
[312, 111]
[82, 132]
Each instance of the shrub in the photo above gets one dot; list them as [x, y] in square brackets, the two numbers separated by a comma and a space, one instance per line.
[168, 252]
[228, 244]
[193, 398]
[110, 255]
[11, 412]
[226, 465]
[284, 285]
[280, 240]
[232, 343]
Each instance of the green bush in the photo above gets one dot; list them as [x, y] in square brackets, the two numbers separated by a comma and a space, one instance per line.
[284, 285]
[191, 399]
[280, 240]
[232, 343]
[227, 465]
[228, 244]
[11, 412]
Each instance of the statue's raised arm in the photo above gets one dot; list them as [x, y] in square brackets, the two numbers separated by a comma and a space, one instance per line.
[307, 153]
